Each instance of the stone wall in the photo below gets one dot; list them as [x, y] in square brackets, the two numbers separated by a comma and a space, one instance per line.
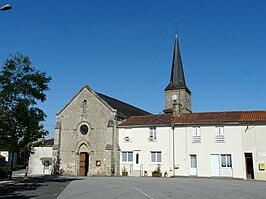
[87, 108]
[183, 97]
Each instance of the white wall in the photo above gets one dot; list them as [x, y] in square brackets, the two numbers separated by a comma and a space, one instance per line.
[238, 140]
[208, 146]
[254, 141]
[140, 141]
[36, 166]
[7, 156]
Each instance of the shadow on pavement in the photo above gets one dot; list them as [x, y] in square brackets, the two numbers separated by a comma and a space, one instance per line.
[35, 187]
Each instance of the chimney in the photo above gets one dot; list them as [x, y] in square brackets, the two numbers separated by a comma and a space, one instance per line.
[176, 109]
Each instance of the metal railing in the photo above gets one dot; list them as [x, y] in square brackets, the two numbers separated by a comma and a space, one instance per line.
[219, 138]
[196, 138]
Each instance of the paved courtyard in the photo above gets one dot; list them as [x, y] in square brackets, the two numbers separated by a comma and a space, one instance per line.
[155, 188]
[46, 187]
[131, 188]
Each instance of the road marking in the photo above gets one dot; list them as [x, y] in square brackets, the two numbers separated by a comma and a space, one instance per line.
[143, 193]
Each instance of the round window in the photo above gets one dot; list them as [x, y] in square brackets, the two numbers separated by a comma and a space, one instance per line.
[84, 129]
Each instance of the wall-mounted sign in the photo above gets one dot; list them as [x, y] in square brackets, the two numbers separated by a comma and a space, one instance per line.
[98, 163]
[261, 166]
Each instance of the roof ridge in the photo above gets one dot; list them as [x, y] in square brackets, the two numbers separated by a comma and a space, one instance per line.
[152, 115]
[227, 111]
[119, 101]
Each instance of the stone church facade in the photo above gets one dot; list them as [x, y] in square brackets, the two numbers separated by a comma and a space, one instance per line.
[86, 135]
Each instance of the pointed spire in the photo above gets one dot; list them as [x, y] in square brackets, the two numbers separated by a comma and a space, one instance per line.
[177, 80]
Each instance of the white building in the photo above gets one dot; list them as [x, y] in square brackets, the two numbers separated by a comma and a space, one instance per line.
[225, 144]
[182, 143]
[6, 157]
[144, 143]
[41, 160]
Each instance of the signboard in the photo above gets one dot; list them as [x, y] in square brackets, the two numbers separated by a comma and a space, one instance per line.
[98, 163]
[261, 166]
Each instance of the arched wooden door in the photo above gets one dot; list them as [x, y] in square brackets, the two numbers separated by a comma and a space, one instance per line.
[83, 164]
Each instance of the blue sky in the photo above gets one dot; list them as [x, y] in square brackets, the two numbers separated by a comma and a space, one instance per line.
[124, 49]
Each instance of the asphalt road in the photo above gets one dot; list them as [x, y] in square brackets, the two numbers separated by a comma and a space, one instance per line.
[46, 187]
[50, 187]
[155, 188]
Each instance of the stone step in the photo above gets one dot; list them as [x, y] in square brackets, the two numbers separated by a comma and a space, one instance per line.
[135, 173]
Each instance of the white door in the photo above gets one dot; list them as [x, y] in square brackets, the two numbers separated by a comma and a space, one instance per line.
[46, 170]
[46, 167]
[193, 165]
[215, 165]
[136, 160]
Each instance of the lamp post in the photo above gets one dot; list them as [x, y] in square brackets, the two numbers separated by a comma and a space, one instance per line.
[5, 7]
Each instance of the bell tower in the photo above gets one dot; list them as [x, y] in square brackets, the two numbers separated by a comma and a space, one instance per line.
[177, 94]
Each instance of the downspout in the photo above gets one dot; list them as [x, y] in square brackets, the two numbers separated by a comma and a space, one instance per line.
[56, 169]
[173, 128]
[113, 147]
[59, 148]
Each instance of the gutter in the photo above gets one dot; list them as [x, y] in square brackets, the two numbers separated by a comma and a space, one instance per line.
[205, 123]
[196, 123]
[180, 124]
[144, 125]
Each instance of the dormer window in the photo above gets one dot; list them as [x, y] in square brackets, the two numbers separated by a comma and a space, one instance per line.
[152, 134]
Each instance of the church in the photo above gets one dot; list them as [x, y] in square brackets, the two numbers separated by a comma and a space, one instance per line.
[99, 135]
[86, 134]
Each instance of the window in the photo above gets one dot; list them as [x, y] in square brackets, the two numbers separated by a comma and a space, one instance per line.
[46, 163]
[226, 161]
[156, 156]
[127, 156]
[137, 158]
[128, 134]
[152, 134]
[219, 134]
[84, 129]
[193, 161]
[84, 106]
[196, 134]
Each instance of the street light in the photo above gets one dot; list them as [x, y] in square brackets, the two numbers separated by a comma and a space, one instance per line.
[6, 7]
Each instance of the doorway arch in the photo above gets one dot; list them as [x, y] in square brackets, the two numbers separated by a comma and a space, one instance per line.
[83, 158]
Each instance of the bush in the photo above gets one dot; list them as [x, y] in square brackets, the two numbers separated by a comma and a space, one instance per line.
[18, 167]
[4, 171]
[157, 172]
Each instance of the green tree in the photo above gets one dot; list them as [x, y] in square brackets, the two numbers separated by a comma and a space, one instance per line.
[21, 88]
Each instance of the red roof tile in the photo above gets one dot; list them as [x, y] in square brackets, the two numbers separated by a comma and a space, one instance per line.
[208, 117]
[205, 117]
[148, 120]
[253, 116]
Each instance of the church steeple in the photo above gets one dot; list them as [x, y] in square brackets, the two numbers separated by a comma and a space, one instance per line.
[177, 79]
[177, 94]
